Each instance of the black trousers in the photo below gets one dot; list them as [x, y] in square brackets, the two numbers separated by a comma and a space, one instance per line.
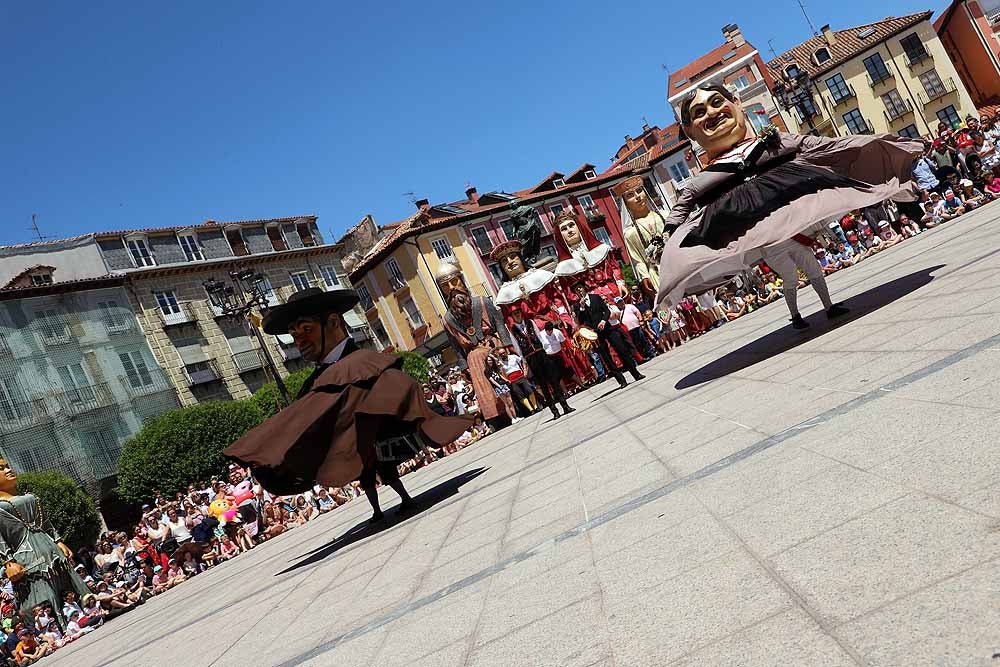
[547, 374]
[615, 337]
[388, 471]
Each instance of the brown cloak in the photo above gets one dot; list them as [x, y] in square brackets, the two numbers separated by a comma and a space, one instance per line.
[329, 434]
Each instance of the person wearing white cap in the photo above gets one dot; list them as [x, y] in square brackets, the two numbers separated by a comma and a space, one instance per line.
[971, 196]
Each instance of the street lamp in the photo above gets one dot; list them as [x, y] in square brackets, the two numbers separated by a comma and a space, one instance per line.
[795, 91]
[252, 294]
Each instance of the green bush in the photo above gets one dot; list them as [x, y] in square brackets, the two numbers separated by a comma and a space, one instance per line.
[415, 366]
[66, 507]
[267, 398]
[182, 446]
[628, 273]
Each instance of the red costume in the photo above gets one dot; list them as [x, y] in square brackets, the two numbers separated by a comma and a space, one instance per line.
[591, 261]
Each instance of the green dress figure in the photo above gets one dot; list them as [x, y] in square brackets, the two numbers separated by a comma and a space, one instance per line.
[35, 559]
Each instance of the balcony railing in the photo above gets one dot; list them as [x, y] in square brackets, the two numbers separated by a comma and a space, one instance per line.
[947, 87]
[184, 315]
[849, 95]
[201, 373]
[874, 80]
[156, 383]
[897, 112]
[83, 399]
[17, 416]
[248, 360]
[917, 58]
[867, 129]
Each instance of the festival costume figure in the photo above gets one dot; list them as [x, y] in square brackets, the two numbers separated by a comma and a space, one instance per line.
[759, 194]
[583, 258]
[594, 314]
[473, 324]
[357, 415]
[527, 300]
[644, 232]
[35, 559]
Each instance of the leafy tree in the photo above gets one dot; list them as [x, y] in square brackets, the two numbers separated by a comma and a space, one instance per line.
[65, 506]
[628, 274]
[182, 446]
[416, 366]
[267, 398]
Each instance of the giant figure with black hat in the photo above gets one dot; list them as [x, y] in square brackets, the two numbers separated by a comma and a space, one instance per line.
[355, 417]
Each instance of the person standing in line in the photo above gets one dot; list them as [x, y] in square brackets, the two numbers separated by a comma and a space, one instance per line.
[546, 374]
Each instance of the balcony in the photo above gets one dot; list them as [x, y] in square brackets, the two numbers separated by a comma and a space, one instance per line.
[753, 90]
[898, 111]
[594, 215]
[183, 315]
[84, 399]
[947, 88]
[202, 372]
[154, 384]
[877, 79]
[22, 415]
[248, 360]
[917, 58]
[848, 96]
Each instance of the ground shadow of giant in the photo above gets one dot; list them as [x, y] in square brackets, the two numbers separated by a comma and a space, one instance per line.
[786, 338]
[422, 502]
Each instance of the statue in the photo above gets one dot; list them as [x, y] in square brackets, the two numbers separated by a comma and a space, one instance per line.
[645, 235]
[35, 559]
[527, 228]
[474, 326]
[583, 258]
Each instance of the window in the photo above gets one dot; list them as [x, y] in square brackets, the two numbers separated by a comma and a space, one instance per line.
[602, 235]
[838, 88]
[741, 82]
[13, 403]
[112, 316]
[556, 209]
[396, 278]
[585, 201]
[76, 383]
[277, 238]
[877, 69]
[482, 240]
[679, 171]
[558, 183]
[949, 116]
[549, 250]
[508, 228]
[856, 123]
[914, 48]
[822, 55]
[910, 132]
[805, 105]
[379, 334]
[590, 174]
[136, 371]
[442, 248]
[191, 247]
[330, 278]
[237, 242]
[139, 251]
[305, 233]
[365, 297]
[167, 301]
[498, 277]
[412, 312]
[41, 278]
[792, 71]
[52, 325]
[758, 117]
[932, 84]
[894, 104]
[101, 447]
[300, 280]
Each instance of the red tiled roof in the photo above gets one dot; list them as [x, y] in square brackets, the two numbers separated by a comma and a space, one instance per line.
[38, 244]
[62, 287]
[207, 224]
[670, 133]
[848, 44]
[989, 109]
[704, 66]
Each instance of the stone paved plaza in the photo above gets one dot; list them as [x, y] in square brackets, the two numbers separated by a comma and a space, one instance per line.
[765, 497]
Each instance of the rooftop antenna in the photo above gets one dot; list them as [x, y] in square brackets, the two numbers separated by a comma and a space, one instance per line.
[36, 230]
[770, 46]
[411, 196]
[802, 6]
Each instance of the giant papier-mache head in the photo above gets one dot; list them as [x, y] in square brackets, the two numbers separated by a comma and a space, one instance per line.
[712, 116]
[450, 281]
[508, 256]
[633, 193]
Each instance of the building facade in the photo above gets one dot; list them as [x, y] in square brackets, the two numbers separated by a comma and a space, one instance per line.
[738, 65]
[208, 356]
[77, 378]
[891, 76]
[970, 33]
[663, 158]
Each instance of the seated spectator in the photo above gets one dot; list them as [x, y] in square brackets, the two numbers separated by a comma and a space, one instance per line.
[28, 649]
[51, 635]
[161, 581]
[887, 236]
[952, 205]
[827, 261]
[191, 566]
[109, 600]
[74, 629]
[908, 227]
[992, 183]
[275, 518]
[304, 508]
[92, 608]
[933, 212]
[325, 500]
[971, 197]
[846, 254]
[227, 548]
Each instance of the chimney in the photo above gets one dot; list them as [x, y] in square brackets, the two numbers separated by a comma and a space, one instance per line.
[733, 35]
[472, 195]
[628, 140]
[423, 204]
[829, 35]
[645, 127]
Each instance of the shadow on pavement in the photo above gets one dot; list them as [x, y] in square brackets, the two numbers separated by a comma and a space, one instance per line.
[786, 338]
[424, 501]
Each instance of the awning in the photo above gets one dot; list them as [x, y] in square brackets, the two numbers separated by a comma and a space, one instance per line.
[354, 321]
[285, 339]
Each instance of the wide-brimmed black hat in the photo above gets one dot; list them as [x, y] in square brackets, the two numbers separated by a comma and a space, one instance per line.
[308, 302]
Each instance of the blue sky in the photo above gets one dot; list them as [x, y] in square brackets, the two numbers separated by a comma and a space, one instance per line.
[142, 114]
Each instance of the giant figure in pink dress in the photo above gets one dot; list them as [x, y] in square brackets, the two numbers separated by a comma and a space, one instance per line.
[583, 258]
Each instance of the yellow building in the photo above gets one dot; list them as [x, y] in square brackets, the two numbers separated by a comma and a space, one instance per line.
[889, 76]
[396, 283]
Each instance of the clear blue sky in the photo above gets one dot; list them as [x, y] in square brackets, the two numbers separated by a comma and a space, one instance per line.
[142, 114]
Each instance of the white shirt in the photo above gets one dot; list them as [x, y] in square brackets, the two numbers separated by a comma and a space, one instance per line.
[336, 352]
[179, 530]
[551, 342]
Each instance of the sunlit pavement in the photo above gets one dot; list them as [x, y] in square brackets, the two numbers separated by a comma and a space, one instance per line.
[765, 497]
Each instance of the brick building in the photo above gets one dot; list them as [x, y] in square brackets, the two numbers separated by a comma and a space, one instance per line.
[664, 159]
[970, 33]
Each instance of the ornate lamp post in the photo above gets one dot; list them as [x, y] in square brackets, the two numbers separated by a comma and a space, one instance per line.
[796, 92]
[240, 301]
